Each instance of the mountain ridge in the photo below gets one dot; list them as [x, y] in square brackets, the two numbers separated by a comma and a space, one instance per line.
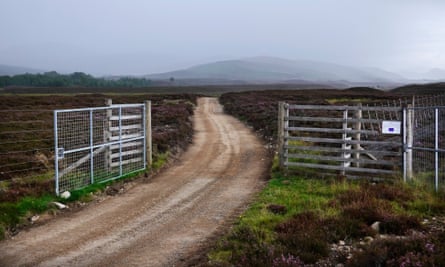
[271, 69]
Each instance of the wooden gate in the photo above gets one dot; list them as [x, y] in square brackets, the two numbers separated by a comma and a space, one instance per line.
[351, 141]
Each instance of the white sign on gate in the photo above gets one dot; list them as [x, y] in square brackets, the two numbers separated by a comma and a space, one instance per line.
[391, 127]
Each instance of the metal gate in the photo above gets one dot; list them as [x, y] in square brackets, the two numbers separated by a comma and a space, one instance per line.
[98, 144]
[425, 145]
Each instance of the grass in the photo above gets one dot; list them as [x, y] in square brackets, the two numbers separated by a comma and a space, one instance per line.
[294, 220]
[14, 214]
[159, 160]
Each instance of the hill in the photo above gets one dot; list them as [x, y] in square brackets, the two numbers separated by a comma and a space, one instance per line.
[421, 89]
[272, 70]
[15, 70]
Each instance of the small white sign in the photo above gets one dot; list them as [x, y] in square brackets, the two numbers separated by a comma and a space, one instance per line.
[391, 127]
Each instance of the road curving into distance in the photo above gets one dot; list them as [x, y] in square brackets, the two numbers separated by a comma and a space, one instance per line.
[162, 222]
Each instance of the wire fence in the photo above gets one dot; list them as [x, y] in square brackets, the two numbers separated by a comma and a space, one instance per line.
[428, 140]
[26, 142]
[428, 145]
[27, 138]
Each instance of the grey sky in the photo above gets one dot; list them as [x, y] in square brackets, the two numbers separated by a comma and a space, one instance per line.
[146, 36]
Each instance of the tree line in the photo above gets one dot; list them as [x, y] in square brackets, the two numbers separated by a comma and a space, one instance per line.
[54, 79]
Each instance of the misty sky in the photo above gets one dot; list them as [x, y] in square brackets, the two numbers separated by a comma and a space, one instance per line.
[147, 36]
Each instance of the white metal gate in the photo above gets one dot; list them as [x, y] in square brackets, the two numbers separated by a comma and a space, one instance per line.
[98, 144]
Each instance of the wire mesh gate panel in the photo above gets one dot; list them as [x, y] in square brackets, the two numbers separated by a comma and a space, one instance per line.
[351, 141]
[425, 145]
[95, 145]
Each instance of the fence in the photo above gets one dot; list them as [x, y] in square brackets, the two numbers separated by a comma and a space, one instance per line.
[99, 144]
[351, 141]
[424, 140]
[425, 149]
[26, 142]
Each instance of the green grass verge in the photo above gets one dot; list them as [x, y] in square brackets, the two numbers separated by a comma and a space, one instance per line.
[14, 214]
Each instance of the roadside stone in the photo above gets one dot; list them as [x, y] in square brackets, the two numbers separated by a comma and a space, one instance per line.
[376, 226]
[368, 239]
[65, 195]
[59, 205]
[33, 219]
[112, 190]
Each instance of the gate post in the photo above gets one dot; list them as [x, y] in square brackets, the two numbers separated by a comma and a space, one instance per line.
[107, 134]
[56, 154]
[357, 135]
[409, 142]
[281, 134]
[286, 135]
[148, 134]
[436, 149]
[344, 145]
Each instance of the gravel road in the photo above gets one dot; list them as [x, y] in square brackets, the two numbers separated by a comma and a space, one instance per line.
[163, 222]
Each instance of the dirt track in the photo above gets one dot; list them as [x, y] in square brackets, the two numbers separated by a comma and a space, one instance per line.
[163, 222]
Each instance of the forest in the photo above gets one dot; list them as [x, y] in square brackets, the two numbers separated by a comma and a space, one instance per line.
[54, 79]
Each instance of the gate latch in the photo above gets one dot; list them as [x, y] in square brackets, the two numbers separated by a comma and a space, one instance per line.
[60, 153]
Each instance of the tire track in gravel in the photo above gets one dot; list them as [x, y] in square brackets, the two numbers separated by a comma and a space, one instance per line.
[162, 222]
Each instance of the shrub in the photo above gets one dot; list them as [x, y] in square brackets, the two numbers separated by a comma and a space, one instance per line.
[303, 236]
[248, 248]
[399, 224]
[287, 261]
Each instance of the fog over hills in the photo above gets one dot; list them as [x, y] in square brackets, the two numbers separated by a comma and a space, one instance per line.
[270, 69]
[257, 70]
[435, 74]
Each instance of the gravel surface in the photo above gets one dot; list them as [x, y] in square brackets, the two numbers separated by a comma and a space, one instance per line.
[163, 222]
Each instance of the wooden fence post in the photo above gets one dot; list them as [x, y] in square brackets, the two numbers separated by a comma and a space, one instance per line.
[148, 133]
[344, 145]
[281, 134]
[357, 135]
[286, 135]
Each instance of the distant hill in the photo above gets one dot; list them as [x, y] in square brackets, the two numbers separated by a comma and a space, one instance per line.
[272, 70]
[15, 70]
[421, 89]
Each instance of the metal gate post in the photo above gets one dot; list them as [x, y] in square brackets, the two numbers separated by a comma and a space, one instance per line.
[148, 134]
[107, 134]
[436, 149]
[120, 140]
[404, 144]
[410, 141]
[91, 149]
[56, 154]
